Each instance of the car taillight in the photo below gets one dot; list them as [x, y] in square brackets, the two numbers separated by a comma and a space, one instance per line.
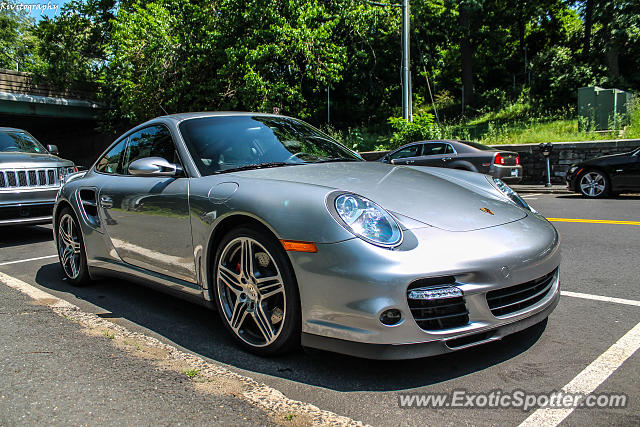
[518, 159]
[498, 160]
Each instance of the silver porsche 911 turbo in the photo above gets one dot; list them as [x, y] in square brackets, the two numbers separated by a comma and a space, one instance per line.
[296, 240]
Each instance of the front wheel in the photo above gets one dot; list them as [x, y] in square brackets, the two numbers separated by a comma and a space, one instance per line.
[594, 184]
[256, 292]
[71, 251]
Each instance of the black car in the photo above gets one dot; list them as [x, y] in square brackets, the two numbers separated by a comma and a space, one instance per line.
[617, 173]
[465, 155]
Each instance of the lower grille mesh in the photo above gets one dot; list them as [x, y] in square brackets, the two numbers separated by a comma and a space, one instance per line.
[514, 298]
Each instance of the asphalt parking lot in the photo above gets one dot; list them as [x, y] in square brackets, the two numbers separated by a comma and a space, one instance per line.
[600, 278]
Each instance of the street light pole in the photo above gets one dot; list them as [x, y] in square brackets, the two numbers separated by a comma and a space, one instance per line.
[406, 71]
[405, 77]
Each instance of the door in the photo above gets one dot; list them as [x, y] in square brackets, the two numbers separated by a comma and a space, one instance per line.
[625, 172]
[147, 218]
[405, 156]
[435, 154]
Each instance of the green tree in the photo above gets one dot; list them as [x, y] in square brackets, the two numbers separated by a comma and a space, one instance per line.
[74, 45]
[18, 44]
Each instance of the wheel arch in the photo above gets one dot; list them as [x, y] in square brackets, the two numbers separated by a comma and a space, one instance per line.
[58, 210]
[221, 229]
[462, 165]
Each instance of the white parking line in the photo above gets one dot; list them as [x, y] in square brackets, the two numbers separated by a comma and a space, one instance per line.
[600, 298]
[28, 259]
[531, 195]
[590, 378]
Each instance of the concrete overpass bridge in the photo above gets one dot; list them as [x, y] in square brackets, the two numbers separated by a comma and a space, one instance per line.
[67, 119]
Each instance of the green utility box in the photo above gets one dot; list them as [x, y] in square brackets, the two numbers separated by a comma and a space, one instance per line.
[601, 108]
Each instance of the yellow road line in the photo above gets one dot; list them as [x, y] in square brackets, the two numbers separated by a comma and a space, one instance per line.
[594, 221]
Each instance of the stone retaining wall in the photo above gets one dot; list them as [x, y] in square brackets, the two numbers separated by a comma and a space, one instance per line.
[564, 154]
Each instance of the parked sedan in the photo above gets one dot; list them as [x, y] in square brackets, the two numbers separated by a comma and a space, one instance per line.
[30, 176]
[296, 239]
[463, 155]
[605, 175]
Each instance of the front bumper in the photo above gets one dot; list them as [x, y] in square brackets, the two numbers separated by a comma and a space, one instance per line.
[346, 286]
[427, 349]
[27, 206]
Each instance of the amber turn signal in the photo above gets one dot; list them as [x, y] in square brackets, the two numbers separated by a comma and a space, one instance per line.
[297, 246]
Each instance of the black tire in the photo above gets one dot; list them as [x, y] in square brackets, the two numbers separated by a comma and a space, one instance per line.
[71, 251]
[593, 184]
[257, 295]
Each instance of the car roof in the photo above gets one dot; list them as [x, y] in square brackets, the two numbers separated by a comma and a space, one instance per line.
[195, 115]
[457, 144]
[6, 129]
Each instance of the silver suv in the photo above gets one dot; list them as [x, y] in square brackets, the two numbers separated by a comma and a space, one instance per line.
[30, 176]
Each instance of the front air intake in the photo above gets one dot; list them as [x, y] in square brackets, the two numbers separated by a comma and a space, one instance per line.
[436, 304]
[514, 298]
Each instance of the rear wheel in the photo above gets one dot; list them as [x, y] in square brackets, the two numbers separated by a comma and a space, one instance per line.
[71, 252]
[256, 292]
[594, 184]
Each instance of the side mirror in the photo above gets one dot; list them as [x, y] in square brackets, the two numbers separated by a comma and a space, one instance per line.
[53, 149]
[154, 166]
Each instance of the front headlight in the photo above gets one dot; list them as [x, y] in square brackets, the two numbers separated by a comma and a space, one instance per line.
[510, 194]
[367, 220]
[67, 170]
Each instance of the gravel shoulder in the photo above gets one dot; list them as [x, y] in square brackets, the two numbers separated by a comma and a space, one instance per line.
[55, 371]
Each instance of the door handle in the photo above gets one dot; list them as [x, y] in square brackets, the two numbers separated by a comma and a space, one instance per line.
[106, 201]
[444, 159]
[410, 162]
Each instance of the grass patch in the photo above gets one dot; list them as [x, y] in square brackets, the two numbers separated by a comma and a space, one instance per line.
[191, 373]
[109, 335]
[289, 417]
[536, 132]
[516, 123]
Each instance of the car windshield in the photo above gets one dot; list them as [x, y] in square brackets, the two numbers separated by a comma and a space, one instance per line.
[224, 144]
[20, 142]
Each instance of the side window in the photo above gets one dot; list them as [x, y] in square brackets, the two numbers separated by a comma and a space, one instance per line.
[411, 151]
[111, 161]
[449, 149]
[433, 149]
[154, 141]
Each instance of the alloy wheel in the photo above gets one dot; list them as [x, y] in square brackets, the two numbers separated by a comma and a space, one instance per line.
[251, 291]
[69, 246]
[593, 184]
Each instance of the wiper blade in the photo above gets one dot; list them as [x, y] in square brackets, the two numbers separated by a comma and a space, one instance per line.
[338, 160]
[258, 166]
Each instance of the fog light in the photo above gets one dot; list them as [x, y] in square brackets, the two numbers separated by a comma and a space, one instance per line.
[391, 317]
[435, 293]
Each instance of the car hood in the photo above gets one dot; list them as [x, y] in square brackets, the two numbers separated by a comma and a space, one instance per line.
[606, 159]
[17, 160]
[413, 192]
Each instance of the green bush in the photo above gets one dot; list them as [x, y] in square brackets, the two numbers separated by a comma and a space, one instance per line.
[422, 128]
[633, 129]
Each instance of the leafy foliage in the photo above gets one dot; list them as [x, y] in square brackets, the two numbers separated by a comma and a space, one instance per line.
[422, 128]
[18, 44]
[144, 57]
